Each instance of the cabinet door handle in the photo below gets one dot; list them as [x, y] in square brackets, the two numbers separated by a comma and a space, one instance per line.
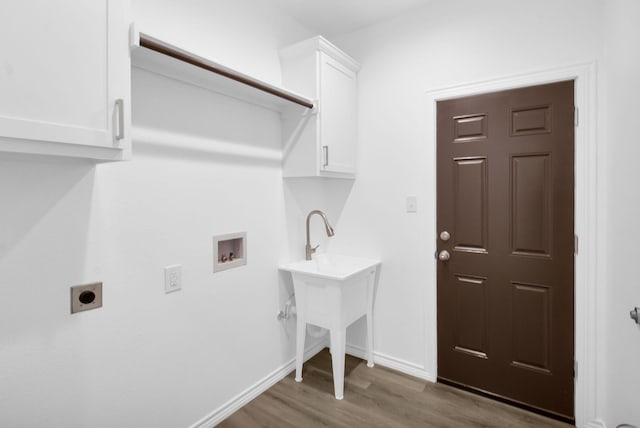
[325, 150]
[120, 123]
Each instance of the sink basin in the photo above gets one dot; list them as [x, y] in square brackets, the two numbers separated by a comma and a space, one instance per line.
[331, 266]
[333, 291]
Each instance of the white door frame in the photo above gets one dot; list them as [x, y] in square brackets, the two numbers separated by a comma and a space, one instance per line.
[587, 263]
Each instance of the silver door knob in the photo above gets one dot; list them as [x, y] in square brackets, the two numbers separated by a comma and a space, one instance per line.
[444, 255]
[445, 236]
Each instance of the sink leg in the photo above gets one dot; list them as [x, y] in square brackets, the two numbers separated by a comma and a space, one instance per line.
[370, 288]
[301, 330]
[369, 341]
[337, 361]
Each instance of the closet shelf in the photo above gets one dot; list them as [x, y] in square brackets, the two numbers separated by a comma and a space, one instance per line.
[159, 57]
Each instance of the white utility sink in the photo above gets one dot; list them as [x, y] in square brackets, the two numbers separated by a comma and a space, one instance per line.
[331, 266]
[333, 291]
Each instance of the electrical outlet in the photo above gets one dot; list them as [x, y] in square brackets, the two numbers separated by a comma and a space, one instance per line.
[86, 297]
[172, 278]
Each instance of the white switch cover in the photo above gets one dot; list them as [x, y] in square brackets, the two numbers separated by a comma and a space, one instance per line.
[172, 278]
[412, 204]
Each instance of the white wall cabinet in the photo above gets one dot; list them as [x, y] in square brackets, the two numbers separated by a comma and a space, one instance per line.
[323, 144]
[65, 78]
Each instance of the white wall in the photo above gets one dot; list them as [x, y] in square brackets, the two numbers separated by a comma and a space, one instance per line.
[150, 359]
[621, 108]
[442, 45]
[243, 34]
[146, 358]
[460, 42]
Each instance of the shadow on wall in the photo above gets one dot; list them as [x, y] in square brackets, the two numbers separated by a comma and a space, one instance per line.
[288, 325]
[181, 121]
[44, 239]
[303, 195]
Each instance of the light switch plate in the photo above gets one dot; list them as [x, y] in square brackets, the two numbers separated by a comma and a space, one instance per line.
[412, 204]
[172, 278]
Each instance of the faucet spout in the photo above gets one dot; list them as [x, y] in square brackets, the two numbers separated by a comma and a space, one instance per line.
[309, 250]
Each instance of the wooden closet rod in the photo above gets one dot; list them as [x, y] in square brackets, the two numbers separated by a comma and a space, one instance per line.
[246, 80]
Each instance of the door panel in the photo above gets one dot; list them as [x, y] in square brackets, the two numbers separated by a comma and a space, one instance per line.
[470, 128]
[505, 194]
[471, 329]
[470, 205]
[530, 121]
[531, 326]
[531, 208]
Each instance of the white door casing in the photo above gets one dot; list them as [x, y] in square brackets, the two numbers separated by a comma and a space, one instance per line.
[588, 270]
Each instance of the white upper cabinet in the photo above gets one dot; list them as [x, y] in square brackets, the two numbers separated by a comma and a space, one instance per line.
[323, 143]
[65, 78]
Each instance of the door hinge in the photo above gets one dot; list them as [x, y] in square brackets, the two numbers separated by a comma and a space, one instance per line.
[575, 244]
[576, 116]
[575, 369]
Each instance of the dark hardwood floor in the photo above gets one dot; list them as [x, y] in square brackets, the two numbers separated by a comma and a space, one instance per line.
[375, 397]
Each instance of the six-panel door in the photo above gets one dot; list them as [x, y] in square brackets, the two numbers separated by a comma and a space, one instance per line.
[506, 197]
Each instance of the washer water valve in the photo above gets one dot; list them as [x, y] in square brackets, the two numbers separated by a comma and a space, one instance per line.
[635, 315]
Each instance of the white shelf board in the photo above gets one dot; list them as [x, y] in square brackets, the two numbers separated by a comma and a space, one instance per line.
[160, 63]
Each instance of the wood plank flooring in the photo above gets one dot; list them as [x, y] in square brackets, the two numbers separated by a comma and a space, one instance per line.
[375, 397]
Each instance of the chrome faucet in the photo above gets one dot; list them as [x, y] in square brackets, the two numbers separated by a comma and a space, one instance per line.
[308, 249]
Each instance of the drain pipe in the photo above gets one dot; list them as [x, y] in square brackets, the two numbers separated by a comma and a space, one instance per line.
[290, 310]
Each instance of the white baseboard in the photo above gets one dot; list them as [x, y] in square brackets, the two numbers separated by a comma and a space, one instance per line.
[595, 424]
[240, 400]
[414, 370]
[393, 363]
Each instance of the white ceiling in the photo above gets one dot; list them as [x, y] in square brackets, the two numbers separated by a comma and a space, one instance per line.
[331, 17]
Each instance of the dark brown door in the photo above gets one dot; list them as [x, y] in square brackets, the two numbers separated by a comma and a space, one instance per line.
[506, 198]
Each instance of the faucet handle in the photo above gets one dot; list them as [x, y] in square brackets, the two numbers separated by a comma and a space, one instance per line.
[310, 250]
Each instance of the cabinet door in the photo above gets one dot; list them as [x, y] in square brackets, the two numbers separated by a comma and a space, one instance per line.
[63, 65]
[337, 117]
